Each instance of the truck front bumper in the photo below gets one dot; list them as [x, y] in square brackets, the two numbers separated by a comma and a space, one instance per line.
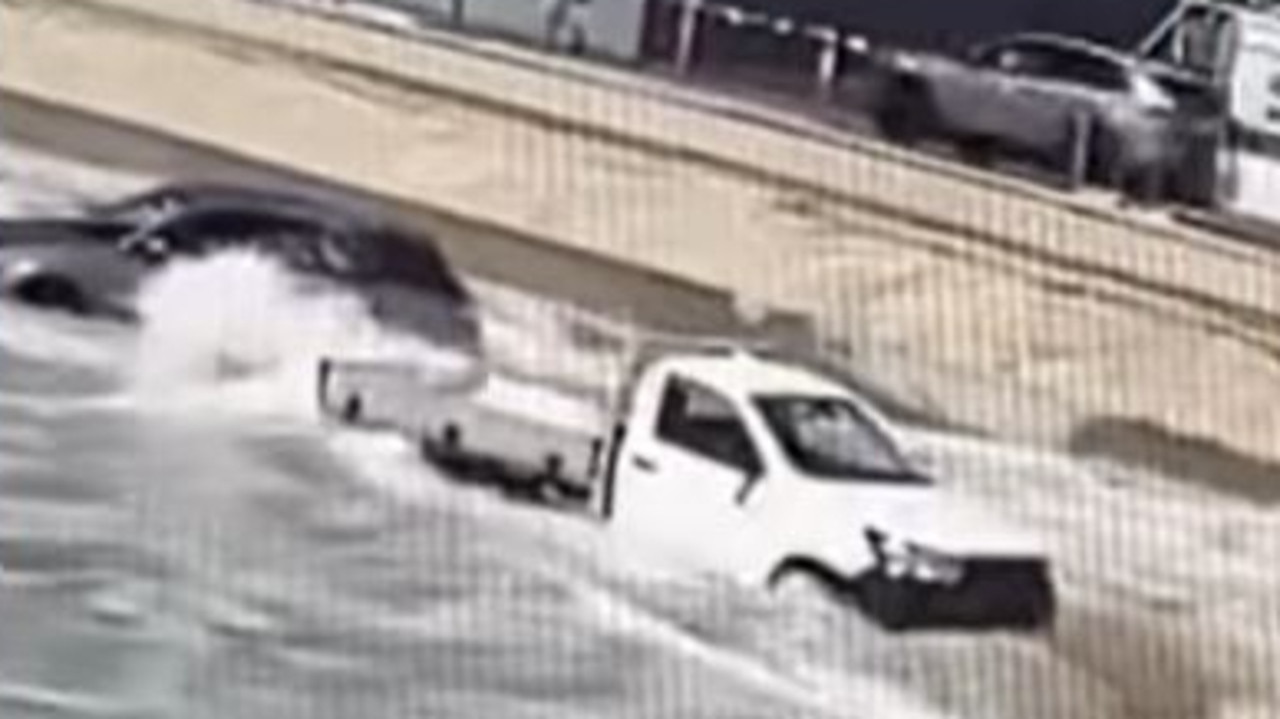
[991, 594]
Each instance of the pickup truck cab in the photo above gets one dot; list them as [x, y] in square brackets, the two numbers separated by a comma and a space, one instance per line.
[768, 471]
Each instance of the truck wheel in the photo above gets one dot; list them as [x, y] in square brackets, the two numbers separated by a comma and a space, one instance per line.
[890, 603]
[801, 579]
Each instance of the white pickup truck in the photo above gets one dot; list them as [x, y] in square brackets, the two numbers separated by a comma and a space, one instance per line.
[764, 468]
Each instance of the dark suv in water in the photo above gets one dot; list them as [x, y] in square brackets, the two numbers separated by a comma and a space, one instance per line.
[95, 264]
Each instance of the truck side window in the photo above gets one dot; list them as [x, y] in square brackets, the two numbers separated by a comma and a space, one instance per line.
[702, 421]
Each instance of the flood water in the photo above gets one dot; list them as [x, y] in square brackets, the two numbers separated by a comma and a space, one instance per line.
[177, 541]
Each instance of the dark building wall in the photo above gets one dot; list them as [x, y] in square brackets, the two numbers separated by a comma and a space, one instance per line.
[608, 28]
[953, 24]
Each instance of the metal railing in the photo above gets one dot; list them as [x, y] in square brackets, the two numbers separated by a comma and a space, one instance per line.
[828, 70]
[714, 38]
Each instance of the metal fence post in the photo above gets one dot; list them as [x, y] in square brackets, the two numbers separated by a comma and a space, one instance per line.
[828, 61]
[1078, 152]
[688, 37]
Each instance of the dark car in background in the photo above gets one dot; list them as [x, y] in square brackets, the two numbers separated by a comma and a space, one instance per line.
[95, 264]
[1079, 107]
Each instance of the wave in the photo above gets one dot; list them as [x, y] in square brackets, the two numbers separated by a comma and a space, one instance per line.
[237, 330]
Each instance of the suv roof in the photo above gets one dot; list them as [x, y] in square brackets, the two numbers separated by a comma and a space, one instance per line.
[225, 195]
[1079, 45]
[741, 373]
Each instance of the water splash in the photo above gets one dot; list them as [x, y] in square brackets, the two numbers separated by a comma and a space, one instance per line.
[38, 183]
[240, 324]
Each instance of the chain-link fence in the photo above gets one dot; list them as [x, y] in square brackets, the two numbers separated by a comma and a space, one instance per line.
[820, 68]
[776, 54]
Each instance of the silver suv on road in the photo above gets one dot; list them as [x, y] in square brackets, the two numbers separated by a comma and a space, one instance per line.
[1059, 100]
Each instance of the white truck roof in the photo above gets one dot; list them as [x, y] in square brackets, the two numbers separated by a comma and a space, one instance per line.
[743, 374]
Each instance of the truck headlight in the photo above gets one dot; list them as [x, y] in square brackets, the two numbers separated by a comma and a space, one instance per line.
[910, 561]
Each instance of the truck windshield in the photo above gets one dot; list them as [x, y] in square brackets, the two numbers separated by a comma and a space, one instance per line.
[831, 438]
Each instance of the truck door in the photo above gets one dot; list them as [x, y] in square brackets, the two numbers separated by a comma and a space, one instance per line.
[681, 476]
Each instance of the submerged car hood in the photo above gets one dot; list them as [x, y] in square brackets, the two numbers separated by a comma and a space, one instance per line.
[61, 230]
[923, 515]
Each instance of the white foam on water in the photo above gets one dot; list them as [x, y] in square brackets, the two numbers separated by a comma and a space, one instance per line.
[27, 438]
[37, 698]
[533, 337]
[388, 464]
[238, 331]
[38, 183]
[1194, 568]
[829, 693]
[1155, 536]
[57, 338]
